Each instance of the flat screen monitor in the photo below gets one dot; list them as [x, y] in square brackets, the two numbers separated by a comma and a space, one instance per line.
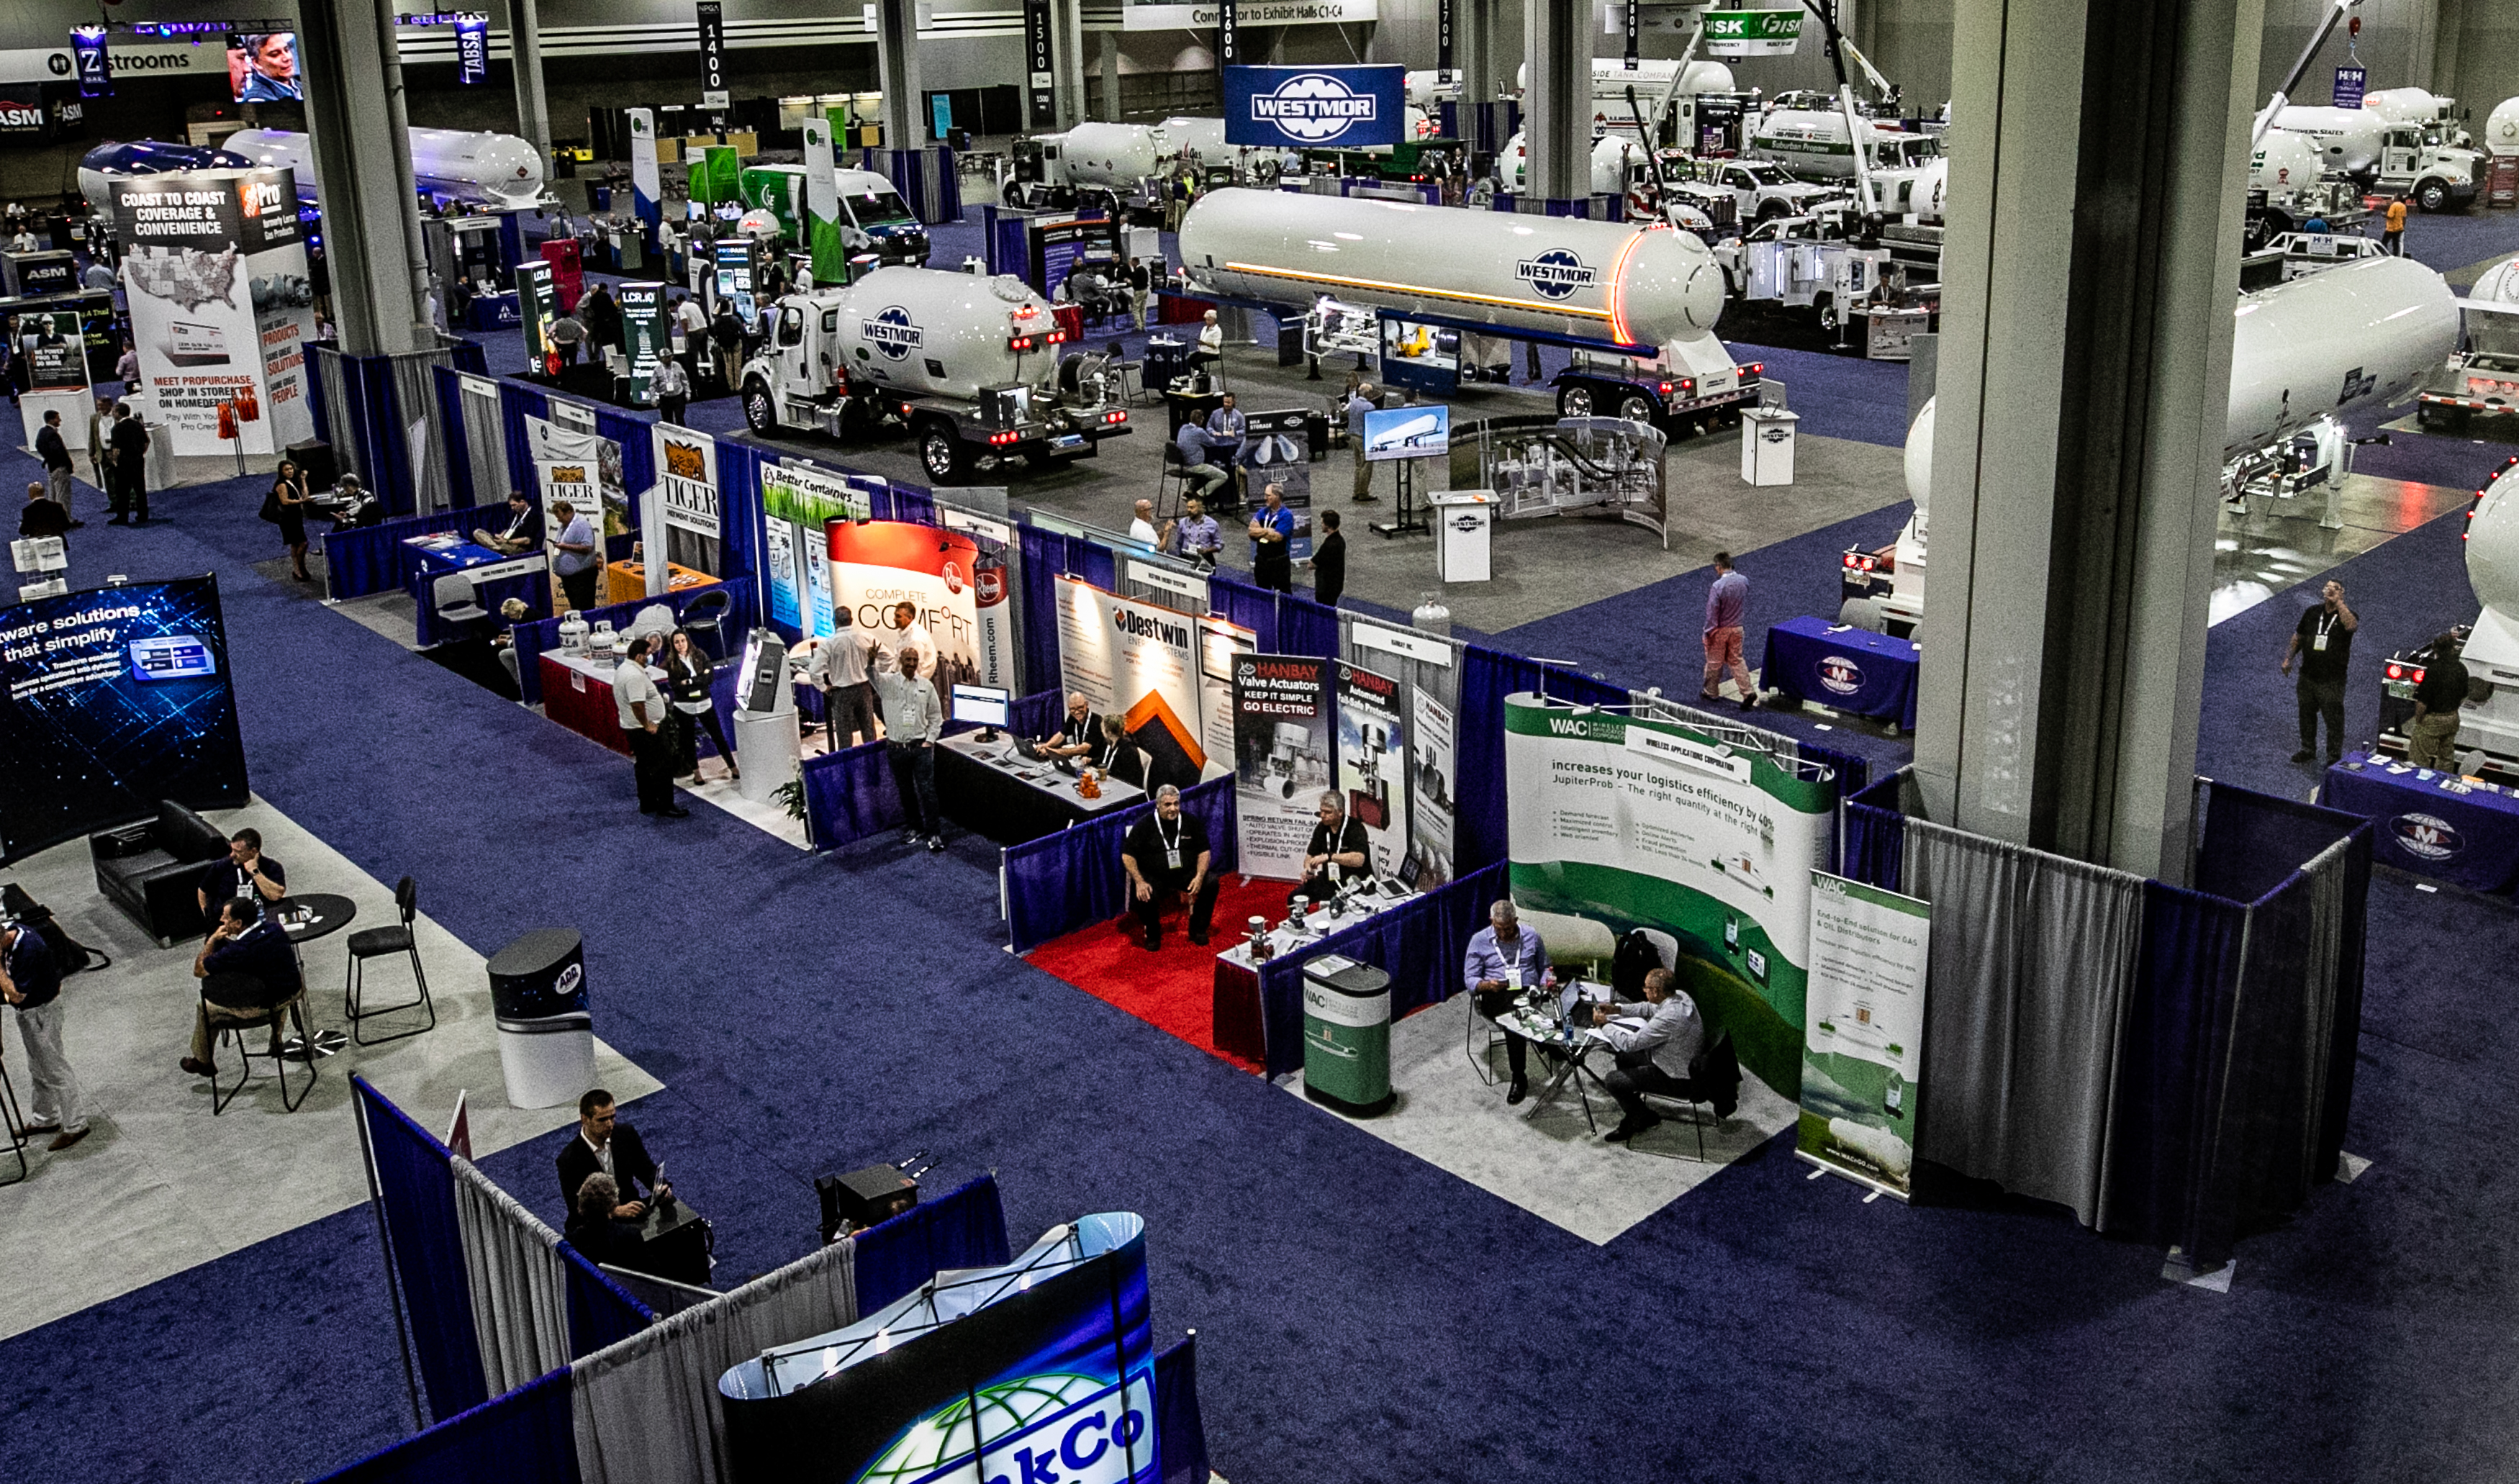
[983, 704]
[1408, 432]
[262, 67]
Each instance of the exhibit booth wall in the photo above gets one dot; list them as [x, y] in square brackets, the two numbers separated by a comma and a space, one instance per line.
[387, 423]
[2174, 1063]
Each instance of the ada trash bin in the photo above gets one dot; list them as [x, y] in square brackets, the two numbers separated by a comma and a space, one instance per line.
[1346, 1036]
[546, 1037]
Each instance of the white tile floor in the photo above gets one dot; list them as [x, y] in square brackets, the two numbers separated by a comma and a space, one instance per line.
[161, 1185]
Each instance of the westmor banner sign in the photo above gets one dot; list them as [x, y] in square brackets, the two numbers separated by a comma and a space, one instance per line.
[1343, 108]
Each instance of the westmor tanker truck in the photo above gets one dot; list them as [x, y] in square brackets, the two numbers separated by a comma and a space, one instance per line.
[968, 364]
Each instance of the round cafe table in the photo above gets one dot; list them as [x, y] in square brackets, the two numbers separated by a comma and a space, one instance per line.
[317, 914]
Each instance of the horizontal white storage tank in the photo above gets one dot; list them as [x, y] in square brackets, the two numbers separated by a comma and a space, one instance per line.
[928, 331]
[1601, 281]
[498, 170]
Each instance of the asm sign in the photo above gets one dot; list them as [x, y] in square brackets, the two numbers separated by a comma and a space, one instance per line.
[1344, 107]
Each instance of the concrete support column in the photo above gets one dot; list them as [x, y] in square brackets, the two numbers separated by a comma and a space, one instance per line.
[1474, 50]
[2089, 278]
[525, 52]
[2449, 29]
[1557, 106]
[896, 53]
[1110, 76]
[361, 150]
[1067, 59]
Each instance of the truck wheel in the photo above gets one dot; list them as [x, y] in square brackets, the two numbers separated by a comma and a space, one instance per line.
[941, 454]
[1636, 410]
[1770, 211]
[1574, 402]
[2431, 196]
[760, 408]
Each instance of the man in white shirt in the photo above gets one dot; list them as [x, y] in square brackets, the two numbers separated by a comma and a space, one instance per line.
[1210, 345]
[1654, 1053]
[913, 718]
[916, 643]
[641, 707]
[840, 668]
[1141, 525]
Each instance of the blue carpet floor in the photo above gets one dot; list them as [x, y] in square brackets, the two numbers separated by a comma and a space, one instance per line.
[1363, 1316]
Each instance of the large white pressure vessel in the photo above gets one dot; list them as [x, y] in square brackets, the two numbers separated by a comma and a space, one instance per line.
[495, 170]
[2284, 165]
[2502, 130]
[1601, 281]
[1203, 136]
[2406, 105]
[2347, 139]
[2493, 547]
[925, 330]
[1919, 459]
[1110, 155]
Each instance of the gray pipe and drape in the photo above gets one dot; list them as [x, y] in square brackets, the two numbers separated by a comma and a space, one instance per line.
[519, 1288]
[2025, 1010]
[646, 1408]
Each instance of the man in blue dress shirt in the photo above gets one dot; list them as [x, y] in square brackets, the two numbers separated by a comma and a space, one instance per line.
[1506, 958]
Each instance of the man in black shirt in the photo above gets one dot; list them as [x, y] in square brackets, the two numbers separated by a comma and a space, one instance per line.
[608, 1145]
[128, 443]
[256, 947]
[2323, 642]
[31, 979]
[2431, 739]
[247, 875]
[1329, 561]
[519, 532]
[1079, 734]
[1339, 852]
[1167, 851]
[42, 517]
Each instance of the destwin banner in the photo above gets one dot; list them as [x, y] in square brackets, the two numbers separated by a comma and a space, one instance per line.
[1633, 823]
[1137, 661]
[221, 306]
[796, 505]
[1864, 1051]
[1282, 721]
[683, 505]
[881, 564]
[1373, 762]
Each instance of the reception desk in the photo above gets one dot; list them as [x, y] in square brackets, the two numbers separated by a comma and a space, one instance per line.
[625, 581]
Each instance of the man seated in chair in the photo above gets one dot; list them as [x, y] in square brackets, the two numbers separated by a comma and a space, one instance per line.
[246, 875]
[1504, 959]
[1337, 855]
[1166, 853]
[519, 532]
[598, 1234]
[1653, 1051]
[606, 1146]
[246, 942]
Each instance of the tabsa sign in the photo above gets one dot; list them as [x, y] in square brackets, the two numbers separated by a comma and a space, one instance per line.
[1344, 107]
[1752, 33]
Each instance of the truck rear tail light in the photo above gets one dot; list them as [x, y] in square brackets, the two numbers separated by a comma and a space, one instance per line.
[1687, 386]
[1115, 417]
[1000, 439]
[1057, 336]
[1856, 561]
[1024, 342]
[1665, 388]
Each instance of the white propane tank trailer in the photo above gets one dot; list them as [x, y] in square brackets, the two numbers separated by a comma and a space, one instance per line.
[2487, 730]
[499, 171]
[1638, 307]
[968, 364]
[2304, 354]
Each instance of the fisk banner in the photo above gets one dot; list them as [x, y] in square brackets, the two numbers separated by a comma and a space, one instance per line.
[1338, 107]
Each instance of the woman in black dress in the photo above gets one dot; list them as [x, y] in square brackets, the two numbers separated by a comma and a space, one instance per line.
[688, 675]
[288, 491]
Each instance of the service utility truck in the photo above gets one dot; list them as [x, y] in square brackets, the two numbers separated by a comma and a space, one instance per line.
[875, 224]
[967, 363]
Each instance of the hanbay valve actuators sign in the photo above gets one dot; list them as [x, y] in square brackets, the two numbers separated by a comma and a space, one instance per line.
[1342, 107]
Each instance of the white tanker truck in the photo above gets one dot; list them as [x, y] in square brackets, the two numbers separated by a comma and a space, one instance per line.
[967, 363]
[1638, 307]
[2304, 355]
[2488, 732]
[2408, 157]
[499, 171]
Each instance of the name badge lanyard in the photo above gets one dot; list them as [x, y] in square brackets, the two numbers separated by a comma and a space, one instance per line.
[2326, 622]
[1172, 846]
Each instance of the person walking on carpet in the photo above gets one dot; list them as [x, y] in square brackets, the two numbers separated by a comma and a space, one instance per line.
[1727, 601]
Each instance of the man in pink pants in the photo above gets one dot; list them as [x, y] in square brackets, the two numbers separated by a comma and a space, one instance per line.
[1725, 603]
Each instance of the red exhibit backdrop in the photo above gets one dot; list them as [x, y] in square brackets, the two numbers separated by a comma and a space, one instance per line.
[878, 565]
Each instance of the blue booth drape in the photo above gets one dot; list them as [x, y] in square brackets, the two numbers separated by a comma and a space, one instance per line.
[1181, 1430]
[449, 386]
[1062, 882]
[1875, 836]
[415, 1185]
[374, 559]
[1421, 945]
[601, 1312]
[964, 1227]
[1254, 608]
[1047, 555]
[517, 403]
[527, 1436]
[535, 638]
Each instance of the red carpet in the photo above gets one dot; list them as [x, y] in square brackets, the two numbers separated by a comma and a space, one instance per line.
[1173, 990]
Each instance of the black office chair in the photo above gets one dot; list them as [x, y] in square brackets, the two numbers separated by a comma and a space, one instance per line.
[1125, 369]
[248, 1003]
[1713, 1085]
[384, 942]
[708, 611]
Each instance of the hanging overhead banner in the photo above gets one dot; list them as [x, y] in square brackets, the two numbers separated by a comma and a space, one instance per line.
[712, 21]
[2350, 84]
[1863, 1051]
[1444, 34]
[797, 504]
[1039, 75]
[1373, 762]
[1139, 662]
[1170, 16]
[1283, 716]
[879, 565]
[1631, 823]
[684, 504]
[94, 67]
[221, 306]
[1752, 33]
[1345, 108]
[472, 47]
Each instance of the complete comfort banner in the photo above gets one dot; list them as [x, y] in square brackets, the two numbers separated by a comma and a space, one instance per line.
[882, 564]
[1630, 823]
[1139, 662]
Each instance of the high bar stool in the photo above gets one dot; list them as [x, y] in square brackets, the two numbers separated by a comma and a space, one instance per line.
[385, 942]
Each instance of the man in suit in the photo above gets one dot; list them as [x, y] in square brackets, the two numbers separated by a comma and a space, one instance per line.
[1654, 1051]
[129, 445]
[1338, 854]
[606, 1146]
[55, 451]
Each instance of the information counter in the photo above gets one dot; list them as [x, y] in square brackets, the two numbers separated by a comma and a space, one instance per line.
[2431, 823]
[1241, 1022]
[495, 576]
[1845, 669]
[625, 581]
[577, 694]
[990, 788]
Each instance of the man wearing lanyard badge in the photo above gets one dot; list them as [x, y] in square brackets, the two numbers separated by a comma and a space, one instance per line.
[2322, 640]
[1167, 851]
[246, 874]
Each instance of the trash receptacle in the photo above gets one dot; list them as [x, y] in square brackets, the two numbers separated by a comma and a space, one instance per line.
[1346, 1036]
[546, 1037]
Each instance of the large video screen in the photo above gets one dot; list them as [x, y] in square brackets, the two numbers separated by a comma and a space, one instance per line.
[262, 67]
[115, 698]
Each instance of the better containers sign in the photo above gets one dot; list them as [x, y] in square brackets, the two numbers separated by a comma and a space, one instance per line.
[1349, 108]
